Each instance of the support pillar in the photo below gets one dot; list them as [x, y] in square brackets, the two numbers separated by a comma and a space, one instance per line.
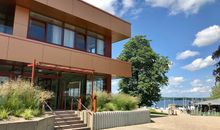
[108, 86]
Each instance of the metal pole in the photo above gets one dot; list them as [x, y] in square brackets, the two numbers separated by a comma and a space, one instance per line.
[33, 72]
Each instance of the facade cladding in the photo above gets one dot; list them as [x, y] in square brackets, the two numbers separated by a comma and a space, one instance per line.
[70, 38]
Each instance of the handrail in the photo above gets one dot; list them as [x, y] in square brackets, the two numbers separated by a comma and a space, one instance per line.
[49, 107]
[83, 106]
[45, 103]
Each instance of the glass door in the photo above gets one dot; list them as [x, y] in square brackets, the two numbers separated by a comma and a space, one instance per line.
[72, 92]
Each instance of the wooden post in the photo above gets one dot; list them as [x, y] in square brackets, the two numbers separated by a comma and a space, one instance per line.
[95, 103]
[33, 72]
[80, 104]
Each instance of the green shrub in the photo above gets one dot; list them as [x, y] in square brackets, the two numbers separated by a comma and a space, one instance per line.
[102, 99]
[109, 102]
[4, 114]
[110, 107]
[125, 102]
[27, 114]
[36, 112]
[18, 112]
[17, 96]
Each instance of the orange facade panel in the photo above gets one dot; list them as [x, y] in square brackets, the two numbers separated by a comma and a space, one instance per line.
[24, 50]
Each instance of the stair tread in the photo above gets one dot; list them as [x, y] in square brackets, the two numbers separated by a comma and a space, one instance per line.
[71, 126]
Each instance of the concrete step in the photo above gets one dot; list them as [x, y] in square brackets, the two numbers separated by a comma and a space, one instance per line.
[61, 127]
[82, 128]
[66, 115]
[68, 122]
[66, 118]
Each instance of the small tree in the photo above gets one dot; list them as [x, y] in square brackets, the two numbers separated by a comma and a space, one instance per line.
[148, 71]
[216, 72]
[215, 92]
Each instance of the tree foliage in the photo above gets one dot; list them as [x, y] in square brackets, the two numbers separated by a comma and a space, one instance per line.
[216, 72]
[215, 92]
[148, 71]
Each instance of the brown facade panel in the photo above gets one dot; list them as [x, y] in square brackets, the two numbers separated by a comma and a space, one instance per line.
[21, 21]
[56, 56]
[81, 60]
[3, 46]
[66, 5]
[90, 14]
[24, 50]
[101, 65]
[120, 68]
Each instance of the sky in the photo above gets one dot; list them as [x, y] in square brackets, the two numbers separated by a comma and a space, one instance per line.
[185, 31]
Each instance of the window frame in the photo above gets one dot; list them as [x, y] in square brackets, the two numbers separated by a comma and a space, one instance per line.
[63, 27]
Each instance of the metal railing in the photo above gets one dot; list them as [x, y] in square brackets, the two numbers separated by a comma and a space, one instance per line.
[48, 106]
[80, 103]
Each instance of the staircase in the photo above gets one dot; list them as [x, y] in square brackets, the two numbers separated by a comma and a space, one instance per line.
[68, 120]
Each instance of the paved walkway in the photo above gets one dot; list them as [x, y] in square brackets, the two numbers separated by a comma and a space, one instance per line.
[180, 122]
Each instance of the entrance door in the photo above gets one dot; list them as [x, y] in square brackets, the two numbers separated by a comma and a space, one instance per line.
[72, 92]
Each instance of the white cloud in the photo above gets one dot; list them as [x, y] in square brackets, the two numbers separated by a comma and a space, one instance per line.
[175, 80]
[196, 83]
[205, 89]
[180, 6]
[210, 80]
[186, 54]
[107, 5]
[114, 7]
[199, 63]
[207, 36]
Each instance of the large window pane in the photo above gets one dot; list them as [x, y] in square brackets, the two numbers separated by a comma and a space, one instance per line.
[91, 44]
[69, 38]
[37, 30]
[100, 47]
[80, 42]
[98, 85]
[6, 18]
[54, 34]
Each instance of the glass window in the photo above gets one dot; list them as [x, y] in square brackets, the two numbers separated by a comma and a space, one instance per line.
[91, 44]
[80, 42]
[2, 22]
[37, 30]
[3, 79]
[54, 34]
[69, 38]
[6, 18]
[100, 47]
[98, 85]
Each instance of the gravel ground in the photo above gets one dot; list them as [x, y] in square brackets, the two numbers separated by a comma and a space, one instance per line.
[180, 122]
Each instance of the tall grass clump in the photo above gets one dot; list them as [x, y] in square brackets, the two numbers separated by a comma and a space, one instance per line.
[17, 97]
[113, 102]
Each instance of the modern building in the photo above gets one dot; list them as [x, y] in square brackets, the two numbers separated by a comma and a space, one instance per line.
[64, 45]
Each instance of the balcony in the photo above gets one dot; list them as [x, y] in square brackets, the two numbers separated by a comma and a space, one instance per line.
[19, 49]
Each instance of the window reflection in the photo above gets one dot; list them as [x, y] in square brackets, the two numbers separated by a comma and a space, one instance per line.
[91, 44]
[54, 34]
[69, 38]
[37, 30]
[80, 42]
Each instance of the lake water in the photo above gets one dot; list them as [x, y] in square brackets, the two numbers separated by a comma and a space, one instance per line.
[164, 102]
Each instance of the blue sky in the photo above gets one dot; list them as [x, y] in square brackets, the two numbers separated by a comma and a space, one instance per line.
[186, 31]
